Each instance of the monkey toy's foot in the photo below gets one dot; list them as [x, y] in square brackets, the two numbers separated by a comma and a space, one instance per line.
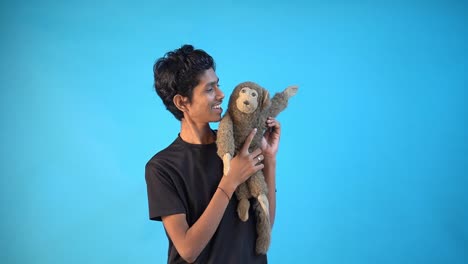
[243, 209]
[263, 201]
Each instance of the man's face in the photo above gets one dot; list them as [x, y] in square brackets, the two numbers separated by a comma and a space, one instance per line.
[206, 100]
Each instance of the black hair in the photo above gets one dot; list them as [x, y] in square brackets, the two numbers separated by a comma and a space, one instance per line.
[178, 72]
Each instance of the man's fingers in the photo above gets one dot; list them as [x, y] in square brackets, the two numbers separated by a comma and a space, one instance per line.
[259, 166]
[248, 140]
[256, 152]
[273, 125]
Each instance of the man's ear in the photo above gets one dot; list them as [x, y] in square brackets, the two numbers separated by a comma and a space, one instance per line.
[180, 102]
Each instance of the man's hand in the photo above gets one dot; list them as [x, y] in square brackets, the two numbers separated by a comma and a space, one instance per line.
[270, 140]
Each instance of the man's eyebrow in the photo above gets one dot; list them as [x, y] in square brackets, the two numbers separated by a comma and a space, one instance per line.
[212, 83]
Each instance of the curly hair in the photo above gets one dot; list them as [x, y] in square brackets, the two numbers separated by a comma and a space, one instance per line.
[178, 72]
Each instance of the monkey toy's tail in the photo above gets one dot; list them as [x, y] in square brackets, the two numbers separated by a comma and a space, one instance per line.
[263, 228]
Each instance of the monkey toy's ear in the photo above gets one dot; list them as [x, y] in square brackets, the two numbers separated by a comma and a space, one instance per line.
[266, 99]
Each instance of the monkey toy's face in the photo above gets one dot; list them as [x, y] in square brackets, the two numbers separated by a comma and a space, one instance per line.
[247, 102]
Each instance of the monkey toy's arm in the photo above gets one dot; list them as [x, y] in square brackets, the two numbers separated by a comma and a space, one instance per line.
[280, 100]
[225, 142]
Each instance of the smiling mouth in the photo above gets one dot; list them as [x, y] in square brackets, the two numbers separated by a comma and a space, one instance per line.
[218, 106]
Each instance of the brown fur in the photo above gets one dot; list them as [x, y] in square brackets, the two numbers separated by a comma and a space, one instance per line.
[233, 129]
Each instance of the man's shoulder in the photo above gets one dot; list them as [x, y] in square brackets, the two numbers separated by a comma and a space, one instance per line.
[171, 153]
[162, 163]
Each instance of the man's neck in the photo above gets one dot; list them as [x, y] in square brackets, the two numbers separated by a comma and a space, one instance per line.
[194, 133]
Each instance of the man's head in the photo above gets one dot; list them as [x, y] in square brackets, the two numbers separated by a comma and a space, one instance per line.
[178, 72]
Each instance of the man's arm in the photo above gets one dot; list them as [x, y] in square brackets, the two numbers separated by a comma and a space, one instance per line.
[270, 145]
[190, 241]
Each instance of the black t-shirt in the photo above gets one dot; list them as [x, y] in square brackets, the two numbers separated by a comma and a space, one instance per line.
[182, 179]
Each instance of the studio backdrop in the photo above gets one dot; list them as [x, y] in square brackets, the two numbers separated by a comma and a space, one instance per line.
[372, 166]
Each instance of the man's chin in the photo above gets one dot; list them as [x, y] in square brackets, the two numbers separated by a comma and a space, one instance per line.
[216, 120]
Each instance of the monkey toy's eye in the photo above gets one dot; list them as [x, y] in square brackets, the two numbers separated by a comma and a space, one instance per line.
[254, 94]
[243, 91]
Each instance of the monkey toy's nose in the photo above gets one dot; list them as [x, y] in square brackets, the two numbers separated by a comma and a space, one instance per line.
[246, 102]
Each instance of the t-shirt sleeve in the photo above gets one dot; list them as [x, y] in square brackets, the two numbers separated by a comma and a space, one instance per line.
[163, 198]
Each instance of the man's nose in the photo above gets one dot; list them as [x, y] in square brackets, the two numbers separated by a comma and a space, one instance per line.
[219, 94]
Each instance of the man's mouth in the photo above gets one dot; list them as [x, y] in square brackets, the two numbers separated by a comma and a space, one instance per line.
[218, 106]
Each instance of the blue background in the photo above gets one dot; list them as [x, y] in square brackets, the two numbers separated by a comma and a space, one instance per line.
[373, 160]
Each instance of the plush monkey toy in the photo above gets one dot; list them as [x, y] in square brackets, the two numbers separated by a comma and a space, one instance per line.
[249, 107]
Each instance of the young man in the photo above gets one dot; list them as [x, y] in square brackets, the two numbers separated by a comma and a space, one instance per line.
[187, 190]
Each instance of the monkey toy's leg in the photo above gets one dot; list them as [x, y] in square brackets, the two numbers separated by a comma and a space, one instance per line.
[243, 195]
[263, 230]
[259, 189]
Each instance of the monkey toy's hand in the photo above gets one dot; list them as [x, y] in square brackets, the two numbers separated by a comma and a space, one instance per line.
[290, 91]
[227, 163]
